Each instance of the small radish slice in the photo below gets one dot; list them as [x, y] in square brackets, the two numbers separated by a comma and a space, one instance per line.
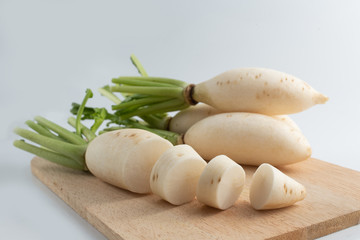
[271, 189]
[221, 183]
[175, 174]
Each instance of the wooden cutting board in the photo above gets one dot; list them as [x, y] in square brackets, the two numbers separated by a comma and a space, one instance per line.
[332, 204]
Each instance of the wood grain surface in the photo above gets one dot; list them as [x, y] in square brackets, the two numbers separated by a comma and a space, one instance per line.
[332, 204]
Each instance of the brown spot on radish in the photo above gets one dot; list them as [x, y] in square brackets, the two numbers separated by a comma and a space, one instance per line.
[228, 115]
[228, 82]
[212, 181]
[117, 133]
[281, 80]
[291, 191]
[153, 177]
[132, 135]
[285, 188]
[157, 176]
[302, 192]
[256, 76]
[303, 89]
[219, 180]
[292, 80]
[180, 154]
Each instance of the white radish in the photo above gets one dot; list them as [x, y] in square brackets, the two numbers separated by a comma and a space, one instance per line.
[248, 138]
[257, 90]
[175, 175]
[184, 119]
[221, 183]
[125, 158]
[270, 189]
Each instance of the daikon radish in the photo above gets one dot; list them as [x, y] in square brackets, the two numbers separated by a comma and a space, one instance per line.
[270, 189]
[248, 138]
[184, 119]
[257, 90]
[123, 158]
[175, 174]
[220, 183]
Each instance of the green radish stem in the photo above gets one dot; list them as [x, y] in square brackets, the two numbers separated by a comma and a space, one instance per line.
[66, 148]
[42, 130]
[90, 135]
[135, 61]
[133, 101]
[88, 95]
[62, 132]
[105, 91]
[160, 107]
[138, 102]
[49, 155]
[153, 90]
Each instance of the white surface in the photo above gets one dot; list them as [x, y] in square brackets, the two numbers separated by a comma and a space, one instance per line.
[51, 51]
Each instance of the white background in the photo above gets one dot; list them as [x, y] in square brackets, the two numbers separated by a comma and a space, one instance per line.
[51, 51]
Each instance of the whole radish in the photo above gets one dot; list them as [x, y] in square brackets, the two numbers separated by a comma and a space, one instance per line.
[257, 90]
[248, 138]
[184, 119]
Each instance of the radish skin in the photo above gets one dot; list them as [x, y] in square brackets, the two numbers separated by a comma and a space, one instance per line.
[125, 157]
[257, 90]
[248, 138]
[270, 189]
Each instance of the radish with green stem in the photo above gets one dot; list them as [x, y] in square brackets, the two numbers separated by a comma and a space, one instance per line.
[257, 90]
[123, 158]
